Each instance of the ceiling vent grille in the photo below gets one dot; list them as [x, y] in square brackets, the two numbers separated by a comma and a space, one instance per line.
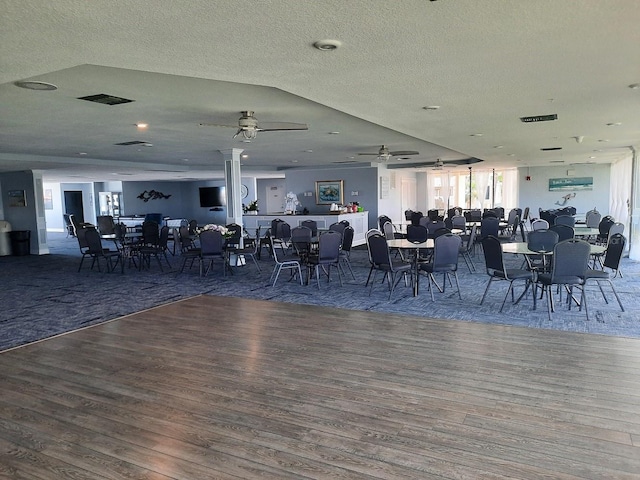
[105, 99]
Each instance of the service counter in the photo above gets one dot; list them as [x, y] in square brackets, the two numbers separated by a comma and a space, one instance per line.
[359, 221]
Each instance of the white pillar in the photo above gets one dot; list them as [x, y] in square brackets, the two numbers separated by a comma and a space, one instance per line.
[634, 206]
[233, 178]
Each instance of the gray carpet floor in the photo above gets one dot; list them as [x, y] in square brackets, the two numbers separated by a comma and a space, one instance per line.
[45, 295]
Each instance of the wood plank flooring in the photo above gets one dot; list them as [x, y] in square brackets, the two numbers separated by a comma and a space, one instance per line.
[218, 387]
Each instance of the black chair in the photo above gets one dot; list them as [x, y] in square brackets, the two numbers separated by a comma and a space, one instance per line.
[250, 247]
[153, 246]
[593, 218]
[339, 227]
[380, 258]
[612, 258]
[283, 262]
[106, 225]
[459, 222]
[417, 233]
[312, 225]
[433, 227]
[497, 270]
[345, 249]
[569, 269]
[328, 256]
[301, 241]
[97, 252]
[444, 260]
[415, 218]
[603, 227]
[541, 241]
[281, 234]
[466, 248]
[568, 220]
[565, 232]
[212, 250]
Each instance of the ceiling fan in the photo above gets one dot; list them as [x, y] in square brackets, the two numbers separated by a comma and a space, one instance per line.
[439, 164]
[384, 154]
[248, 126]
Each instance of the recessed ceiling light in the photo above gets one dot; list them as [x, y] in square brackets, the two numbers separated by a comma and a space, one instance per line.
[327, 45]
[498, 146]
[431, 107]
[476, 135]
[308, 151]
[82, 153]
[634, 86]
[142, 126]
[604, 140]
[244, 155]
[185, 159]
[147, 144]
[334, 133]
[294, 161]
[614, 124]
[35, 85]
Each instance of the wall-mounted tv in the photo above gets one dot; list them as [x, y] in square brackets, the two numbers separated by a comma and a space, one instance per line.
[213, 197]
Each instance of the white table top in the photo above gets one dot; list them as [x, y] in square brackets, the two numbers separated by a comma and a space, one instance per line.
[406, 244]
[521, 248]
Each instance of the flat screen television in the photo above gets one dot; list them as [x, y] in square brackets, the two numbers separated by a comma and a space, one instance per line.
[213, 197]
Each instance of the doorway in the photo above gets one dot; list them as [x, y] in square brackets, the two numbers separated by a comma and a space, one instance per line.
[73, 204]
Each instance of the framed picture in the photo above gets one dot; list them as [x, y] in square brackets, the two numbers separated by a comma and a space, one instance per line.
[17, 198]
[329, 191]
[571, 183]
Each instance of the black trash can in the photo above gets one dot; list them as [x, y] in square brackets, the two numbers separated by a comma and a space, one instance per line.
[20, 242]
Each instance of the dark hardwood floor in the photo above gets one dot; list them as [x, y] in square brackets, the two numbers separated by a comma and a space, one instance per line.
[218, 387]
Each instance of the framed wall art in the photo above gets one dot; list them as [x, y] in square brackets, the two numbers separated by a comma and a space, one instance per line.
[17, 198]
[329, 191]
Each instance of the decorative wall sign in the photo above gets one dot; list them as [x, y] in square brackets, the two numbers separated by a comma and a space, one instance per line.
[152, 195]
[17, 198]
[329, 191]
[572, 183]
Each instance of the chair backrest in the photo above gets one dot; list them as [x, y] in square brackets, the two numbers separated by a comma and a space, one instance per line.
[81, 234]
[570, 260]
[513, 216]
[489, 226]
[193, 225]
[446, 252]
[301, 239]
[416, 233]
[615, 248]
[525, 214]
[120, 231]
[94, 243]
[434, 215]
[565, 232]
[542, 240]
[329, 246]
[472, 239]
[211, 242]
[236, 234]
[605, 224]
[492, 249]
[339, 227]
[185, 238]
[407, 215]
[458, 221]
[378, 249]
[347, 239]
[593, 218]
[105, 224]
[382, 219]
[387, 229]
[150, 232]
[310, 224]
[164, 237]
[433, 227]
[617, 227]
[539, 224]
[415, 218]
[473, 215]
[439, 232]
[565, 220]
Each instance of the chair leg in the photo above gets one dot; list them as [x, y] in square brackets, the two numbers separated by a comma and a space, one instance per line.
[486, 290]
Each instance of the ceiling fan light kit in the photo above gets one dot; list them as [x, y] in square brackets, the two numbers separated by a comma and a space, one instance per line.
[248, 126]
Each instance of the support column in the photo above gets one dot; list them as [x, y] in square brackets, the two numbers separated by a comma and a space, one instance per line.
[233, 184]
[634, 206]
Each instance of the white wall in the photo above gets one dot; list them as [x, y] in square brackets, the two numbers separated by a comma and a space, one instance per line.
[534, 193]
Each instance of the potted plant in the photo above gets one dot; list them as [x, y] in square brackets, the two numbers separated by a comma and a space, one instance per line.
[251, 209]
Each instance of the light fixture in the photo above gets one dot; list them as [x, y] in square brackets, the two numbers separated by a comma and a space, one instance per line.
[142, 126]
[634, 86]
[35, 85]
[327, 45]
[431, 107]
[247, 133]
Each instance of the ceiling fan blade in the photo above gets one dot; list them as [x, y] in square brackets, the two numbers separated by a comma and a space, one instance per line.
[280, 126]
[376, 154]
[217, 125]
[402, 153]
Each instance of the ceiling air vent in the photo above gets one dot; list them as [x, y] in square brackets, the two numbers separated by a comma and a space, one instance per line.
[539, 118]
[133, 142]
[105, 99]
[550, 149]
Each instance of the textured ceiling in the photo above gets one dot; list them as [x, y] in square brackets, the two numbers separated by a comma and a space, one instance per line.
[485, 63]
